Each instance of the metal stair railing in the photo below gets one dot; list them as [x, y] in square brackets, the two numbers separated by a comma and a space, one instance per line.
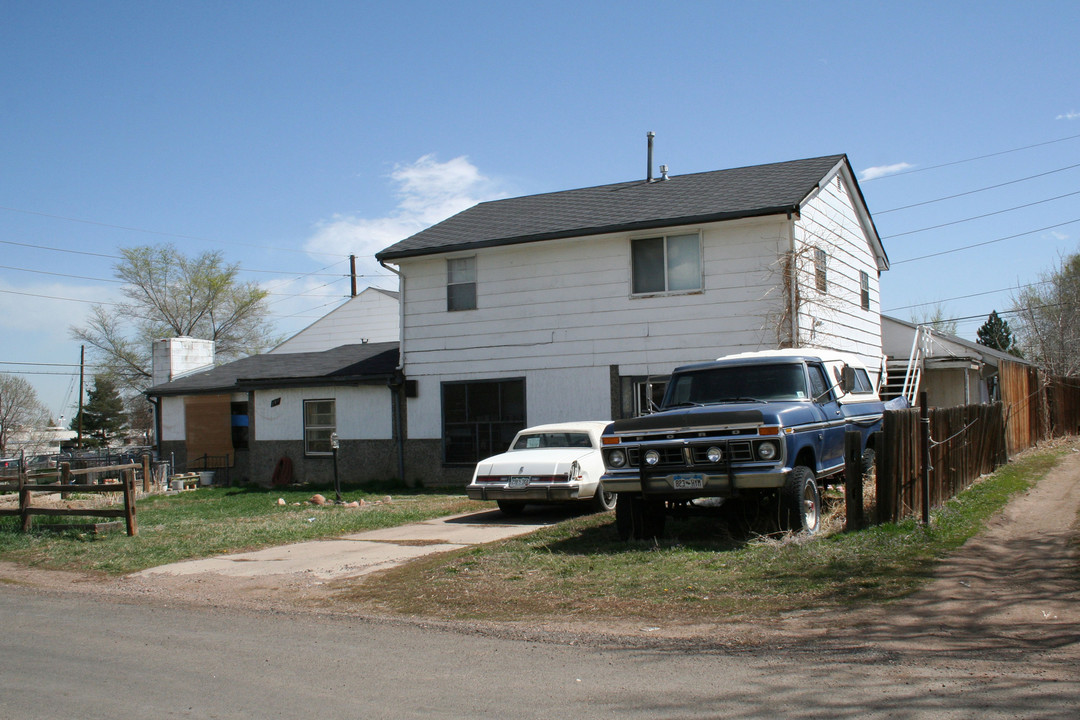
[913, 374]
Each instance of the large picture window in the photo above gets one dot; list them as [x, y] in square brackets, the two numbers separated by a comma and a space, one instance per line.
[461, 283]
[480, 419]
[666, 264]
[320, 421]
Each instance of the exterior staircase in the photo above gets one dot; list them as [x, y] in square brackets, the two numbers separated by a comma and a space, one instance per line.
[903, 376]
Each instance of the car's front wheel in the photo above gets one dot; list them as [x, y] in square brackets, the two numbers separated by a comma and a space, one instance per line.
[603, 501]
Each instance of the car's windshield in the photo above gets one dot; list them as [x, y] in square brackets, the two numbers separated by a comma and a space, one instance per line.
[737, 383]
[553, 440]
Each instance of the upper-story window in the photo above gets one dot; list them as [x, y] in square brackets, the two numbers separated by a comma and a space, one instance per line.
[461, 283]
[670, 263]
[821, 280]
[864, 290]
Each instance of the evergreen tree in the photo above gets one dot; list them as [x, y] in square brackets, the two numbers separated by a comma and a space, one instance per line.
[995, 333]
[103, 415]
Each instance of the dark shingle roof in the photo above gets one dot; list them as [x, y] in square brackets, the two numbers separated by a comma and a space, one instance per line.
[683, 199]
[346, 364]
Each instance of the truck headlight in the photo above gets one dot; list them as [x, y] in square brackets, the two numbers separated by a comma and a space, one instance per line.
[767, 450]
[652, 457]
[616, 458]
[714, 454]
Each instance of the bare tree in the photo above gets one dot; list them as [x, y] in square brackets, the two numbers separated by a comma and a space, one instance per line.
[21, 413]
[170, 294]
[1048, 319]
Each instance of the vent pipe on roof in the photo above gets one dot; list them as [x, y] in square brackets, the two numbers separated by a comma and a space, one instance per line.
[648, 175]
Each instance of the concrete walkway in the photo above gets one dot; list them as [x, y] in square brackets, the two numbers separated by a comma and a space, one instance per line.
[366, 552]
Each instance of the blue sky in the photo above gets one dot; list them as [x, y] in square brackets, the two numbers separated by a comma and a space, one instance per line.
[288, 135]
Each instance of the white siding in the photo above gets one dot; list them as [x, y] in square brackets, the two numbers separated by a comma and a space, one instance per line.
[372, 316]
[363, 413]
[559, 313]
[836, 319]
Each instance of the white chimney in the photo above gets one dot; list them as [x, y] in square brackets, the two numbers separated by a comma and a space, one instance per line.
[179, 356]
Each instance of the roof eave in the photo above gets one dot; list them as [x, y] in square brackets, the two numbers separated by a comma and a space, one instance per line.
[591, 231]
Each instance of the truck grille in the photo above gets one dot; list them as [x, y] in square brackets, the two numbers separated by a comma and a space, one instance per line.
[673, 457]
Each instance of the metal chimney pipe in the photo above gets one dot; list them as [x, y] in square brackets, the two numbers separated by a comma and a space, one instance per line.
[648, 174]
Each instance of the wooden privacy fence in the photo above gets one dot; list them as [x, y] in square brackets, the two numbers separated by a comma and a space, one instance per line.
[27, 485]
[961, 444]
[1063, 398]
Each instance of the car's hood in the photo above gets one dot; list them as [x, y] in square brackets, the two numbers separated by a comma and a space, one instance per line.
[542, 461]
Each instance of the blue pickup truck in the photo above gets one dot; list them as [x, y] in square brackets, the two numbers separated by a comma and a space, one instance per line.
[758, 426]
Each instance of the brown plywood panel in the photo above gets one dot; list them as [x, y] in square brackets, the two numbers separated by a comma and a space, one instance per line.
[208, 428]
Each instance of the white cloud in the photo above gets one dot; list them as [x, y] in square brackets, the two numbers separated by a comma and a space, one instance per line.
[428, 192]
[873, 173]
[1071, 115]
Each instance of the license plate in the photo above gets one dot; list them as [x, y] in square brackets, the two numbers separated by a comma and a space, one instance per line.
[518, 482]
[695, 481]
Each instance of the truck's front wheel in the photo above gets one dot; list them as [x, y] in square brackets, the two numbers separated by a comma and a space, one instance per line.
[638, 518]
[800, 502]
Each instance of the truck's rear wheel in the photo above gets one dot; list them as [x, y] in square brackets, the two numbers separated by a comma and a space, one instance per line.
[800, 502]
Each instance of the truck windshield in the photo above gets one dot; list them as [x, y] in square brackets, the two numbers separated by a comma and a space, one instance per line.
[737, 383]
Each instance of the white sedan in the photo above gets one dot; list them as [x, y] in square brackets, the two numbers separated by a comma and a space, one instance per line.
[546, 464]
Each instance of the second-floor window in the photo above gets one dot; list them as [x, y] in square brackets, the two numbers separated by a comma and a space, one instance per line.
[666, 264]
[821, 280]
[461, 283]
[864, 290]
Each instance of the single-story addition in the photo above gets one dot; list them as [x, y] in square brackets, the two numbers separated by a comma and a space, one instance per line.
[949, 369]
[252, 413]
[577, 305]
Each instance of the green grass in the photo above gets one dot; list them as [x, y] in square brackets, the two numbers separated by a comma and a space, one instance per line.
[580, 569]
[210, 521]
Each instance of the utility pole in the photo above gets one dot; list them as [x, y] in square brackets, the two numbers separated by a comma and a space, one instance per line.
[352, 273]
[82, 366]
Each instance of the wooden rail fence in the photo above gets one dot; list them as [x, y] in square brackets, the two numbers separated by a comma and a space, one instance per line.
[64, 484]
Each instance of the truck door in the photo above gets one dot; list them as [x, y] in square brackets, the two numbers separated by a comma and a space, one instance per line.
[832, 449]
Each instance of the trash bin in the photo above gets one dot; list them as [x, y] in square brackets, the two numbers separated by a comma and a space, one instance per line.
[206, 477]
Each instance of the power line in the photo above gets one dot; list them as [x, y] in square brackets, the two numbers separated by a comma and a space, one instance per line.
[161, 233]
[972, 159]
[965, 297]
[985, 242]
[47, 272]
[55, 297]
[972, 192]
[36, 246]
[979, 217]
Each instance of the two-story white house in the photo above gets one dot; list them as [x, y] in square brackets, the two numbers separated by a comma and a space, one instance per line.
[578, 304]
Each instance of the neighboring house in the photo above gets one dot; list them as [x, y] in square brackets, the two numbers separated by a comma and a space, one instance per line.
[248, 414]
[338, 375]
[370, 316]
[577, 305]
[950, 370]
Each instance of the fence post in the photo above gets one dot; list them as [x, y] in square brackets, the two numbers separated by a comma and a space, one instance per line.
[146, 479]
[853, 481]
[129, 502]
[24, 503]
[924, 447]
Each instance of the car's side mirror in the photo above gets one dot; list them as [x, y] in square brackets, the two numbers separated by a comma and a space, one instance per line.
[847, 379]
